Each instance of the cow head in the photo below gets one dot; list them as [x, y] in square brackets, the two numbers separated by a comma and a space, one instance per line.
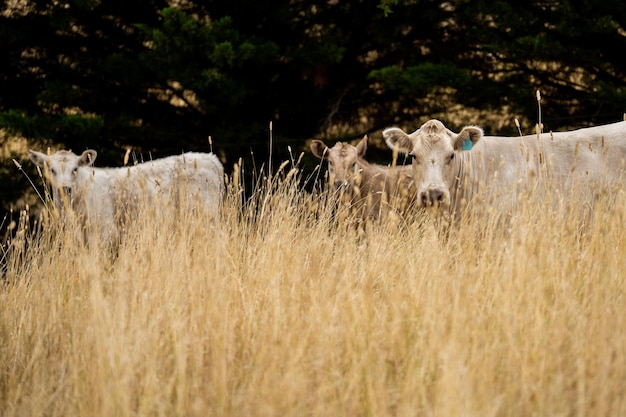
[62, 171]
[434, 149]
[343, 162]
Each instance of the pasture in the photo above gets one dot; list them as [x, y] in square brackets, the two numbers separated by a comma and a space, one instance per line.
[273, 309]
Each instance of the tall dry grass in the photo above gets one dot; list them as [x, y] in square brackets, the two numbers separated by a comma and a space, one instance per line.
[274, 310]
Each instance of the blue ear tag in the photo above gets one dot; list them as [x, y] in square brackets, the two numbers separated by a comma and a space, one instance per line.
[467, 144]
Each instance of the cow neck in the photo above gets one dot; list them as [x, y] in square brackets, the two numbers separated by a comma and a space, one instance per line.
[464, 181]
[366, 170]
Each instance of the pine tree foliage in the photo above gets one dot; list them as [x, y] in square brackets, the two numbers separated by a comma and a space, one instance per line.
[161, 76]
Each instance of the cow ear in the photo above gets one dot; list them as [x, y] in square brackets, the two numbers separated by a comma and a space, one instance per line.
[319, 149]
[398, 140]
[38, 158]
[87, 158]
[361, 147]
[467, 138]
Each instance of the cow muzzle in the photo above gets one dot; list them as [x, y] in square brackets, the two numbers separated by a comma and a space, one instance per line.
[433, 197]
[343, 187]
[65, 197]
[343, 191]
[339, 185]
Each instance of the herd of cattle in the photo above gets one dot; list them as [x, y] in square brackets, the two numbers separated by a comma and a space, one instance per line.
[448, 170]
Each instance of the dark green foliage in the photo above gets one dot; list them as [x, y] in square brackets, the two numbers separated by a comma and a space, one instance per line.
[423, 78]
[84, 127]
[161, 79]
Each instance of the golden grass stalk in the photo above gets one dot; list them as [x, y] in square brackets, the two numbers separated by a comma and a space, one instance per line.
[273, 310]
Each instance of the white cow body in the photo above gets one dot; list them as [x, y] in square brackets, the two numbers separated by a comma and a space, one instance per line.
[104, 196]
[499, 168]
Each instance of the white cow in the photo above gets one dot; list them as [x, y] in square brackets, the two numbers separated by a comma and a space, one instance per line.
[103, 197]
[450, 168]
[370, 189]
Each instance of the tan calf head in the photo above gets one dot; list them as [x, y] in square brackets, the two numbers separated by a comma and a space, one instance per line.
[434, 150]
[62, 169]
[343, 162]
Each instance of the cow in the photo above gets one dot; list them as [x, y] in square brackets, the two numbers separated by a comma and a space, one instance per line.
[450, 169]
[371, 190]
[103, 197]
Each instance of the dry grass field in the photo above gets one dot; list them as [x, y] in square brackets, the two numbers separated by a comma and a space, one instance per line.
[272, 309]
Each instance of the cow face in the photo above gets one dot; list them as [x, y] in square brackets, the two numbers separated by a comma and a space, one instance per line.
[343, 162]
[435, 150]
[62, 171]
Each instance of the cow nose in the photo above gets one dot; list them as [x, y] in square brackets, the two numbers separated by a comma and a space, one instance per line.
[67, 191]
[430, 197]
[340, 184]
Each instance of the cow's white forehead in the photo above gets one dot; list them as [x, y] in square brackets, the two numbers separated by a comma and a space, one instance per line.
[433, 127]
[432, 134]
[64, 157]
[342, 150]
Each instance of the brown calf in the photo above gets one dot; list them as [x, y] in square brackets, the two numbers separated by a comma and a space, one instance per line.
[370, 190]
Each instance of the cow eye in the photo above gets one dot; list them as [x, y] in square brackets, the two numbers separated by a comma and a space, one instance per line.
[74, 171]
[451, 157]
[53, 171]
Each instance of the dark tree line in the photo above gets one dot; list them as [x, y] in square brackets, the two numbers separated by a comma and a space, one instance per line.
[161, 77]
